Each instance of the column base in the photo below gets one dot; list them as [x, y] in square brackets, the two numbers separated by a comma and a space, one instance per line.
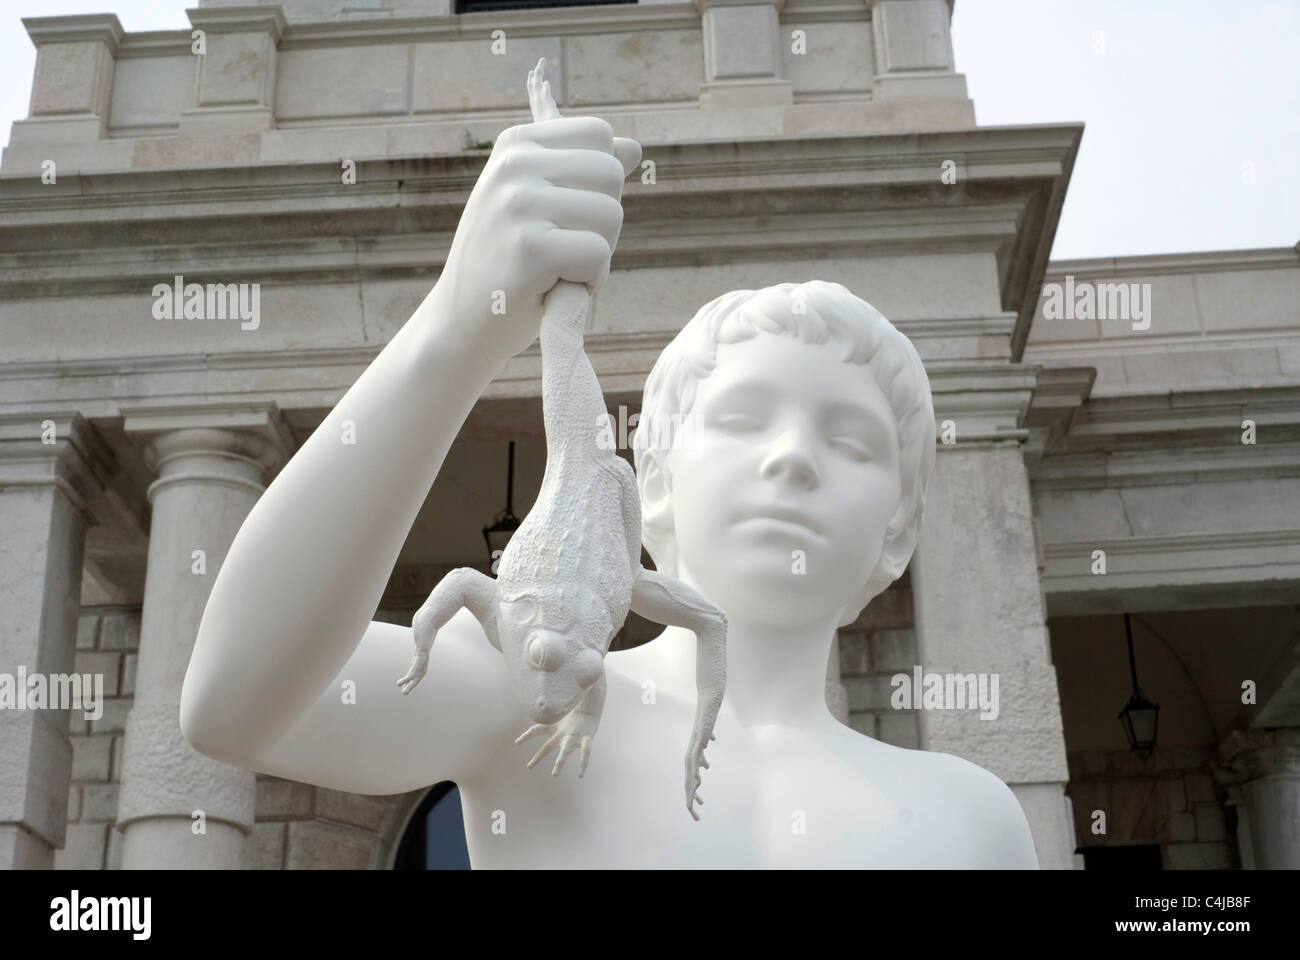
[20, 850]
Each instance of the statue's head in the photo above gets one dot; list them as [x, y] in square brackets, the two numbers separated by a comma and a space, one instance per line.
[785, 442]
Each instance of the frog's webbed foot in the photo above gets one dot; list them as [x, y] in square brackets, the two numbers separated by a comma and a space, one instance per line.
[667, 600]
[574, 731]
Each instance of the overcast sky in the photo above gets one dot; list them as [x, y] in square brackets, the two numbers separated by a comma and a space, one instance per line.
[1184, 102]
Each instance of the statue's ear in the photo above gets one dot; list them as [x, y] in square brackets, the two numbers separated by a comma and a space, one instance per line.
[656, 492]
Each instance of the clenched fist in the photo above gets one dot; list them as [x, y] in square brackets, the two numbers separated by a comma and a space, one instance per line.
[546, 208]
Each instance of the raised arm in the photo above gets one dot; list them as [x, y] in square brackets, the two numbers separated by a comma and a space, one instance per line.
[292, 602]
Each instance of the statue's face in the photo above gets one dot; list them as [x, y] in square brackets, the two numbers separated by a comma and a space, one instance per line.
[785, 480]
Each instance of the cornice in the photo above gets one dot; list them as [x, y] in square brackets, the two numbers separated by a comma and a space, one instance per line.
[1174, 573]
[1162, 464]
[719, 201]
[1210, 261]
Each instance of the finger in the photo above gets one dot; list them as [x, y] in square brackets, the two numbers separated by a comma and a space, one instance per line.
[543, 750]
[575, 133]
[580, 169]
[566, 748]
[698, 799]
[584, 756]
[704, 761]
[581, 210]
[628, 153]
[535, 729]
[578, 256]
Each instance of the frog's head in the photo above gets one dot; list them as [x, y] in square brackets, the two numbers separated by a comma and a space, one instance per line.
[550, 666]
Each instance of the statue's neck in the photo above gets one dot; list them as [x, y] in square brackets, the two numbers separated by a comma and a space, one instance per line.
[774, 676]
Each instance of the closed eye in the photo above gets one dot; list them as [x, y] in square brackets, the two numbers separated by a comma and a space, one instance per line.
[852, 446]
[737, 421]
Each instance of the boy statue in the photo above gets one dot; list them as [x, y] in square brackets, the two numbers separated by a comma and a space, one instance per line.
[785, 442]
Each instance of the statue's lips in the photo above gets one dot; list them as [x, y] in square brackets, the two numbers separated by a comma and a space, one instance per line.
[782, 515]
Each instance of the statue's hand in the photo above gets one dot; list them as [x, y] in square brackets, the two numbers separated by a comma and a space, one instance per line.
[547, 207]
[573, 732]
[415, 672]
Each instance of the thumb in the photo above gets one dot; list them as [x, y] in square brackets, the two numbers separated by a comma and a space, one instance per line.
[628, 153]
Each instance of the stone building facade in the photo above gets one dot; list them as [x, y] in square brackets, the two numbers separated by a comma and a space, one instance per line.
[323, 149]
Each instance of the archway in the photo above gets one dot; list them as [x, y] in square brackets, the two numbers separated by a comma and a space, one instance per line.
[434, 838]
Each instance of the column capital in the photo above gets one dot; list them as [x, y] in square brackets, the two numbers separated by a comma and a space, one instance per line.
[1254, 753]
[59, 449]
[252, 435]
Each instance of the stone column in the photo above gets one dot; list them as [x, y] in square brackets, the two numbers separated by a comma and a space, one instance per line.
[211, 466]
[742, 54]
[236, 83]
[1264, 767]
[73, 83]
[50, 467]
[979, 609]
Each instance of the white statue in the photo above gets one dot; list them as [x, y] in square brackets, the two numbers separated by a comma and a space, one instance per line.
[572, 570]
[786, 439]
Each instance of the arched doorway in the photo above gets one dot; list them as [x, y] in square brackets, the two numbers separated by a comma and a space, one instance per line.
[435, 835]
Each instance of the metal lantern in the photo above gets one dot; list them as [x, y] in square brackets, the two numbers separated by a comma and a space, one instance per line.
[1139, 715]
[497, 534]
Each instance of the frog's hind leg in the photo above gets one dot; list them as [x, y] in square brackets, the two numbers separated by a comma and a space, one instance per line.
[667, 600]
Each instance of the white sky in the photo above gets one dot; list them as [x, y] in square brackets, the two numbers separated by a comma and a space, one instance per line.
[1180, 96]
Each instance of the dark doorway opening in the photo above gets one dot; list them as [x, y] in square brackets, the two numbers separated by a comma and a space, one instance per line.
[435, 837]
[1134, 857]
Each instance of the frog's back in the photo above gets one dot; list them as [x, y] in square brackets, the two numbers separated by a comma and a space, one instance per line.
[573, 539]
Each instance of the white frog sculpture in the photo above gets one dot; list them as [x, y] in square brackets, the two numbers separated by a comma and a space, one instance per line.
[572, 570]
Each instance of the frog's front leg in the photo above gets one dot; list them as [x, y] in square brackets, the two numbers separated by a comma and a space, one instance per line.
[463, 587]
[574, 732]
[667, 600]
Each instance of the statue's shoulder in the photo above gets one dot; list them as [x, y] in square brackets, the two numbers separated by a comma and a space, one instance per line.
[990, 809]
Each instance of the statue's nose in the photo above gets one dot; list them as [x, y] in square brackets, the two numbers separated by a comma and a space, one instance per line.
[546, 652]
